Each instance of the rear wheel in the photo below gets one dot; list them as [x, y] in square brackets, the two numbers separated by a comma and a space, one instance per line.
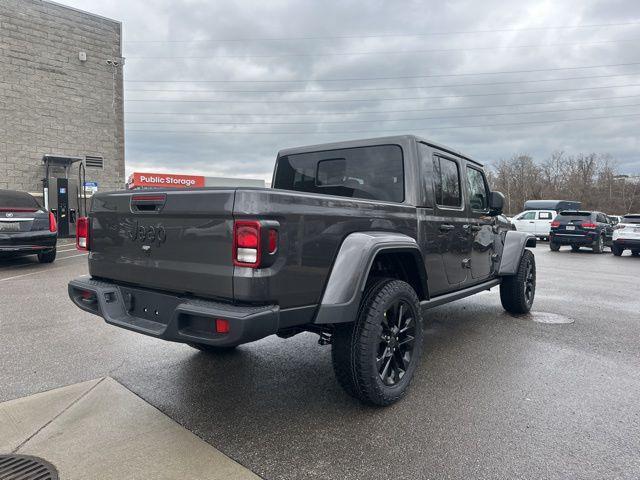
[575, 248]
[47, 257]
[635, 253]
[598, 244]
[617, 250]
[518, 291]
[375, 357]
[554, 246]
[210, 348]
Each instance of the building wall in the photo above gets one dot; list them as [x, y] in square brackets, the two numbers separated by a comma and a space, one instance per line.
[53, 103]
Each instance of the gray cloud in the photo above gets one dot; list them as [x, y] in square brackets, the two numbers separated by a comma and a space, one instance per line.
[278, 42]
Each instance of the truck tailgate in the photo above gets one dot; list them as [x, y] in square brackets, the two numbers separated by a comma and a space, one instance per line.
[174, 240]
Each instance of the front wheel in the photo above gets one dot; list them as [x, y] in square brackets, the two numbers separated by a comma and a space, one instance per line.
[617, 250]
[375, 357]
[635, 253]
[518, 291]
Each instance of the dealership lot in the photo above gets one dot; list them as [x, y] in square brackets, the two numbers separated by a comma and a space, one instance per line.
[496, 396]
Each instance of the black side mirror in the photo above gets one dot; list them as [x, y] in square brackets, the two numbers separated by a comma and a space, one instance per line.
[496, 203]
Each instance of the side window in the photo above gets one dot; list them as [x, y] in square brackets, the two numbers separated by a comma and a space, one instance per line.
[601, 218]
[446, 180]
[478, 192]
[544, 216]
[528, 216]
[426, 171]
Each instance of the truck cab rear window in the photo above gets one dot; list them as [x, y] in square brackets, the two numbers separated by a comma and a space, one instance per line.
[372, 173]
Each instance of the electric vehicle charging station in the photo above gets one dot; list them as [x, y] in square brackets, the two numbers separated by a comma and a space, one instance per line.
[63, 194]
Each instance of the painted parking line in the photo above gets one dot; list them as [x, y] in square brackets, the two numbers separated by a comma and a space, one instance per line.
[44, 270]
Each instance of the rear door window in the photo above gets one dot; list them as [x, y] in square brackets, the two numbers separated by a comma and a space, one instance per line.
[374, 172]
[478, 191]
[544, 216]
[446, 178]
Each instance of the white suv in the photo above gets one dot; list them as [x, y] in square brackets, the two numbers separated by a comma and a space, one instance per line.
[626, 235]
[537, 222]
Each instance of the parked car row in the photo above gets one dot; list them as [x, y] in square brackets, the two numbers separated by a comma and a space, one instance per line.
[581, 228]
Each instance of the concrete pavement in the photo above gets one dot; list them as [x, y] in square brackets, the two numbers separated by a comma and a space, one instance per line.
[495, 396]
[100, 430]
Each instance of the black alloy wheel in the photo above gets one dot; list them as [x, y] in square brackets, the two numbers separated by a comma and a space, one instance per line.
[395, 350]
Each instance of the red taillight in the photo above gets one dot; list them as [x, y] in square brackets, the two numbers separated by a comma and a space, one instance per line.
[588, 225]
[53, 225]
[82, 233]
[222, 325]
[246, 243]
[555, 224]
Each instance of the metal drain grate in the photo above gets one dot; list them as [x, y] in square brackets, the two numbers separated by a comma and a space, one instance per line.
[26, 467]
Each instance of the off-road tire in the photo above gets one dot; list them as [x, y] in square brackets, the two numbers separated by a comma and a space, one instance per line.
[575, 248]
[617, 250]
[514, 293]
[355, 345]
[211, 348]
[554, 246]
[598, 245]
[47, 257]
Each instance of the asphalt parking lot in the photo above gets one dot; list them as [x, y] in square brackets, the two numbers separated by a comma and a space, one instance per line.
[495, 397]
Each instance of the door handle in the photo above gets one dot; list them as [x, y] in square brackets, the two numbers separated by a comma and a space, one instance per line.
[445, 227]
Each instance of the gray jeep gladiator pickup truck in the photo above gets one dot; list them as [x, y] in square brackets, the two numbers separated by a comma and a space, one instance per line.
[355, 241]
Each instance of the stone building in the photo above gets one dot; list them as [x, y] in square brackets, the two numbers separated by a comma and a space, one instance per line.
[60, 93]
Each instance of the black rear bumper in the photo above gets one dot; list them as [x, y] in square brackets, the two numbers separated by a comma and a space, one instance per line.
[625, 243]
[585, 239]
[171, 317]
[27, 242]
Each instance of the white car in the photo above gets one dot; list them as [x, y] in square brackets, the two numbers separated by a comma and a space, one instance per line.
[537, 222]
[626, 235]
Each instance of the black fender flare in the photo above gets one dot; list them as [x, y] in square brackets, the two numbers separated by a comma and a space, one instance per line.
[348, 277]
[514, 244]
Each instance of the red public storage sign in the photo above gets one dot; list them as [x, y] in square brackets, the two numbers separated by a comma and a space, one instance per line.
[164, 180]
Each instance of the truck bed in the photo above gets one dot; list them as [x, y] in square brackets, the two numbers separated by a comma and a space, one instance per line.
[181, 241]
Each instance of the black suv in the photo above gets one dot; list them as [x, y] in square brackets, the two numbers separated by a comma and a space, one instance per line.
[581, 229]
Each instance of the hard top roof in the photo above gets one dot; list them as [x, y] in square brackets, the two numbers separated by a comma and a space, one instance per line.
[395, 139]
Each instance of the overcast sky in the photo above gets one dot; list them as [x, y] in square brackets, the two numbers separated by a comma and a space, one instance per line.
[488, 78]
